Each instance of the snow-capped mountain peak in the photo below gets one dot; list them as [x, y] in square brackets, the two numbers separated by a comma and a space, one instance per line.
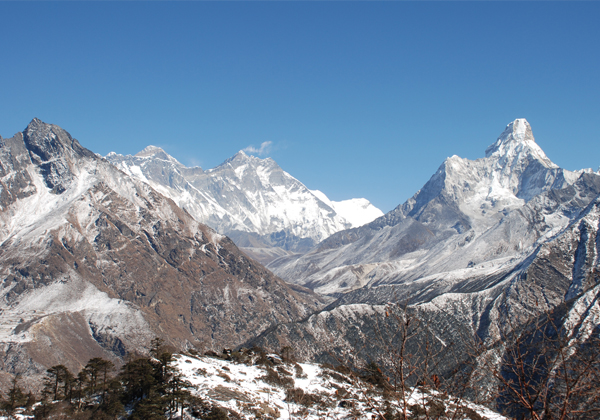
[250, 199]
[89, 252]
[503, 203]
[518, 130]
[150, 151]
[242, 158]
[517, 143]
[356, 211]
[515, 133]
[157, 153]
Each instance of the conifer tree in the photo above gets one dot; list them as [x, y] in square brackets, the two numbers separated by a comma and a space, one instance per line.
[98, 370]
[58, 378]
[15, 398]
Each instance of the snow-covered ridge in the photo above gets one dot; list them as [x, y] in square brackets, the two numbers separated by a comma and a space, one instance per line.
[72, 295]
[89, 254]
[517, 140]
[247, 195]
[310, 392]
[357, 211]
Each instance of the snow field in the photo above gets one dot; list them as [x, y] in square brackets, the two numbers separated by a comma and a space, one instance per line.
[242, 388]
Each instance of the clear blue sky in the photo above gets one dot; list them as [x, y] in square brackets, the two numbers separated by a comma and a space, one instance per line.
[358, 99]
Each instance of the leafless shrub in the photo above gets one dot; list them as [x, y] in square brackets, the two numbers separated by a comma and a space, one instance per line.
[274, 378]
[299, 372]
[548, 369]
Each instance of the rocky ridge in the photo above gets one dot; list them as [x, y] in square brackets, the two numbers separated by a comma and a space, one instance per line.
[472, 219]
[95, 262]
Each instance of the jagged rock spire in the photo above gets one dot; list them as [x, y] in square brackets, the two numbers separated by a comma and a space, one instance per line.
[515, 143]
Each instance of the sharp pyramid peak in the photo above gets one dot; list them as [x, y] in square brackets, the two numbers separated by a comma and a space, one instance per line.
[516, 139]
[516, 132]
[38, 134]
[157, 153]
[242, 157]
[37, 125]
[35, 121]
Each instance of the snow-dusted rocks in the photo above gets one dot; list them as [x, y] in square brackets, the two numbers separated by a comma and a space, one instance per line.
[93, 261]
[252, 200]
[325, 393]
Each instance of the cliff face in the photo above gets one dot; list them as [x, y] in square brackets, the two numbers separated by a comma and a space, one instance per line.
[94, 263]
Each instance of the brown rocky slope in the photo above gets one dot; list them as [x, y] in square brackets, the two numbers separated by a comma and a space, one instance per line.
[94, 263]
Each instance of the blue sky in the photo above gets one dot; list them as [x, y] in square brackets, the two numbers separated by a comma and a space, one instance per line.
[357, 99]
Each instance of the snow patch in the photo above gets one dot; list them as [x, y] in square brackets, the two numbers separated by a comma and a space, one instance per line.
[70, 295]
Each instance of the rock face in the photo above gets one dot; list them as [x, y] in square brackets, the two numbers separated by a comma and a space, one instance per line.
[261, 207]
[484, 245]
[95, 263]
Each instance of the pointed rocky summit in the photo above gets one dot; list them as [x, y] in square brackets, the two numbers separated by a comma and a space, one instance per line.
[517, 141]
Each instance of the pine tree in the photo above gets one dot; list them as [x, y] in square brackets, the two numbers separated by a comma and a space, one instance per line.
[98, 370]
[16, 397]
[79, 389]
[58, 378]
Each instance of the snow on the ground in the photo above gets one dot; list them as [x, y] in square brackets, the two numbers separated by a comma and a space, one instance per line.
[244, 389]
[69, 296]
[320, 392]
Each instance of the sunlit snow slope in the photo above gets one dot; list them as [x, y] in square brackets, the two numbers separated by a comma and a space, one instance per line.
[311, 392]
[252, 200]
[485, 247]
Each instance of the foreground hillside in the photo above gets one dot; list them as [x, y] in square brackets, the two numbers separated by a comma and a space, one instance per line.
[244, 384]
[289, 389]
[94, 263]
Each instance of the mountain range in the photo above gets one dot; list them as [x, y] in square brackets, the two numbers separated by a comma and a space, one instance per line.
[477, 218]
[262, 208]
[485, 244]
[98, 255]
